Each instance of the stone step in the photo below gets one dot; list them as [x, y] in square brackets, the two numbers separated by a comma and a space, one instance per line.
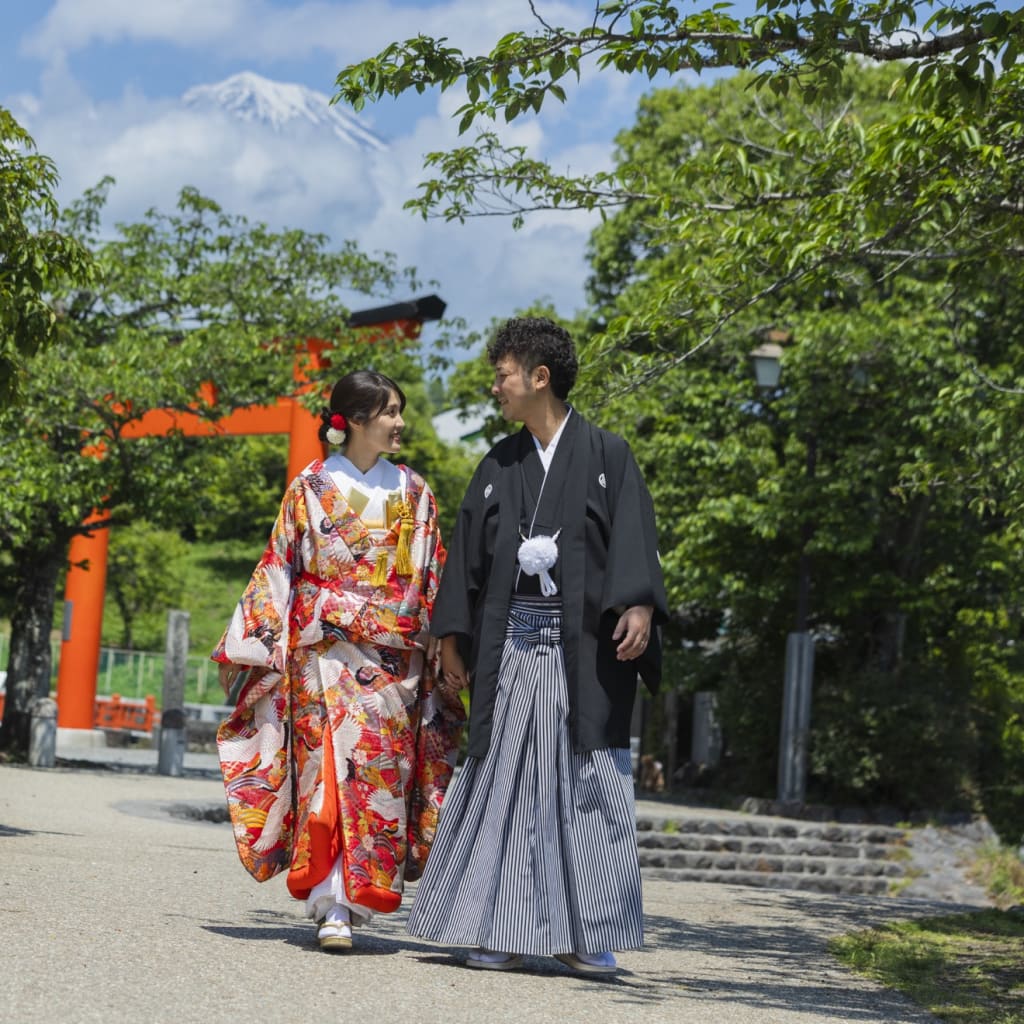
[770, 865]
[773, 853]
[758, 845]
[842, 886]
[772, 828]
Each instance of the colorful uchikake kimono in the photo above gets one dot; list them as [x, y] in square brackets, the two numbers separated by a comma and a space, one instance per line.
[340, 748]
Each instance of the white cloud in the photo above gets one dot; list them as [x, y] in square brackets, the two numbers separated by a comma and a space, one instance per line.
[484, 268]
[261, 29]
[247, 169]
[72, 25]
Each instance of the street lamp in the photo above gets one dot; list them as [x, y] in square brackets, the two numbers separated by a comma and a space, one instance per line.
[798, 672]
[767, 360]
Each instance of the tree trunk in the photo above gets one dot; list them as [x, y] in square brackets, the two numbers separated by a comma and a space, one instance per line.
[127, 624]
[670, 700]
[894, 622]
[29, 666]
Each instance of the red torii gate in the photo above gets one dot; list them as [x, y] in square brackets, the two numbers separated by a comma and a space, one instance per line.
[85, 587]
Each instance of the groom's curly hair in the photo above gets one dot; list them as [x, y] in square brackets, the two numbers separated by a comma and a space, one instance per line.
[536, 341]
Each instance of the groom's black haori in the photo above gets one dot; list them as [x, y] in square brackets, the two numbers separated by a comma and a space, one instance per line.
[548, 608]
[607, 561]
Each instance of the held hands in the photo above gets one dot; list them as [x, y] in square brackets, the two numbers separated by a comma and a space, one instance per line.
[634, 631]
[454, 676]
[227, 673]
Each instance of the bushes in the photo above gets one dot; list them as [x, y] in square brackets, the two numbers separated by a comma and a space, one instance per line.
[901, 738]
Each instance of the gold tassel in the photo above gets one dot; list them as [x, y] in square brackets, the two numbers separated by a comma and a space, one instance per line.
[380, 570]
[403, 556]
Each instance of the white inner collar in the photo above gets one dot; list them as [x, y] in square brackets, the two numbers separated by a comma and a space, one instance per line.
[548, 453]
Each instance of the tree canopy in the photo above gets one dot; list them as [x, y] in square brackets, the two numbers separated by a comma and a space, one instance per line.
[954, 49]
[881, 470]
[180, 300]
[34, 255]
[853, 188]
[935, 183]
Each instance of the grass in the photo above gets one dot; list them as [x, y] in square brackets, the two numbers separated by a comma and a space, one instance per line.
[963, 968]
[1001, 871]
[134, 674]
[897, 885]
[216, 573]
[899, 852]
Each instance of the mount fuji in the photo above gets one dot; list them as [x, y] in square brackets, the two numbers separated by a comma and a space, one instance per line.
[280, 105]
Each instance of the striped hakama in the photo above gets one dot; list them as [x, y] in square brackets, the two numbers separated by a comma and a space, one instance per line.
[535, 850]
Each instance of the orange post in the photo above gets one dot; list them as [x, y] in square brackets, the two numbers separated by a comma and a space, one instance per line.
[83, 627]
[303, 444]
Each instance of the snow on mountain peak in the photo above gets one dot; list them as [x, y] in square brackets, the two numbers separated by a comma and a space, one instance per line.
[251, 97]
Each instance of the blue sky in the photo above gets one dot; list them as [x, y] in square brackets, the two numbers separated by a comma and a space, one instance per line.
[98, 84]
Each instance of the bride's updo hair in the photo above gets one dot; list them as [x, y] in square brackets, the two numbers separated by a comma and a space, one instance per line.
[359, 397]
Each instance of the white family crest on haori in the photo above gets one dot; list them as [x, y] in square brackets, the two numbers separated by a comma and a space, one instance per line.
[536, 556]
[602, 481]
[487, 491]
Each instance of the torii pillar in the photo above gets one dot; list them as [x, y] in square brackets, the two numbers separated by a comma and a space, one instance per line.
[86, 585]
[83, 622]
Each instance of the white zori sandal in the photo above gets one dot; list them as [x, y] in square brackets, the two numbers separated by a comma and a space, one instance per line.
[334, 932]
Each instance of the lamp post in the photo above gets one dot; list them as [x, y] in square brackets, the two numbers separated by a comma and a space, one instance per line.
[798, 672]
[767, 360]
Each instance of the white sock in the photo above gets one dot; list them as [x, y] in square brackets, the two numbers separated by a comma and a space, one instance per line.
[338, 914]
[598, 959]
[489, 956]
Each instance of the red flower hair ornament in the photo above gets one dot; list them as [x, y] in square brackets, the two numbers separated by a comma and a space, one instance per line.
[336, 426]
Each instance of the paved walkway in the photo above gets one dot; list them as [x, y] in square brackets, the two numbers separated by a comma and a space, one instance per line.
[118, 909]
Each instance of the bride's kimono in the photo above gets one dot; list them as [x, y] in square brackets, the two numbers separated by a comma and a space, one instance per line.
[339, 750]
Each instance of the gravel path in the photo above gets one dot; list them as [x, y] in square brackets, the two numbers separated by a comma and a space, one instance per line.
[937, 868]
[117, 912]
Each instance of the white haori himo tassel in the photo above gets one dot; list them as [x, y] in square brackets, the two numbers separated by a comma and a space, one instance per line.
[536, 556]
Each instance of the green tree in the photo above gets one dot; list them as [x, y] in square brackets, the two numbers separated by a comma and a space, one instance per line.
[33, 254]
[144, 581]
[885, 464]
[873, 218]
[182, 299]
[240, 483]
[914, 596]
[799, 47]
[936, 183]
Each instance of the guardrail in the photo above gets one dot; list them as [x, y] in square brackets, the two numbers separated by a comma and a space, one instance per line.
[135, 673]
[139, 715]
[125, 713]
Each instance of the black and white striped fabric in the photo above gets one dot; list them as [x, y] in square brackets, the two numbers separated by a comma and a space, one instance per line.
[536, 846]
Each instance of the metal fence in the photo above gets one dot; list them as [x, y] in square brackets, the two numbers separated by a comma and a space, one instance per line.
[137, 673]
